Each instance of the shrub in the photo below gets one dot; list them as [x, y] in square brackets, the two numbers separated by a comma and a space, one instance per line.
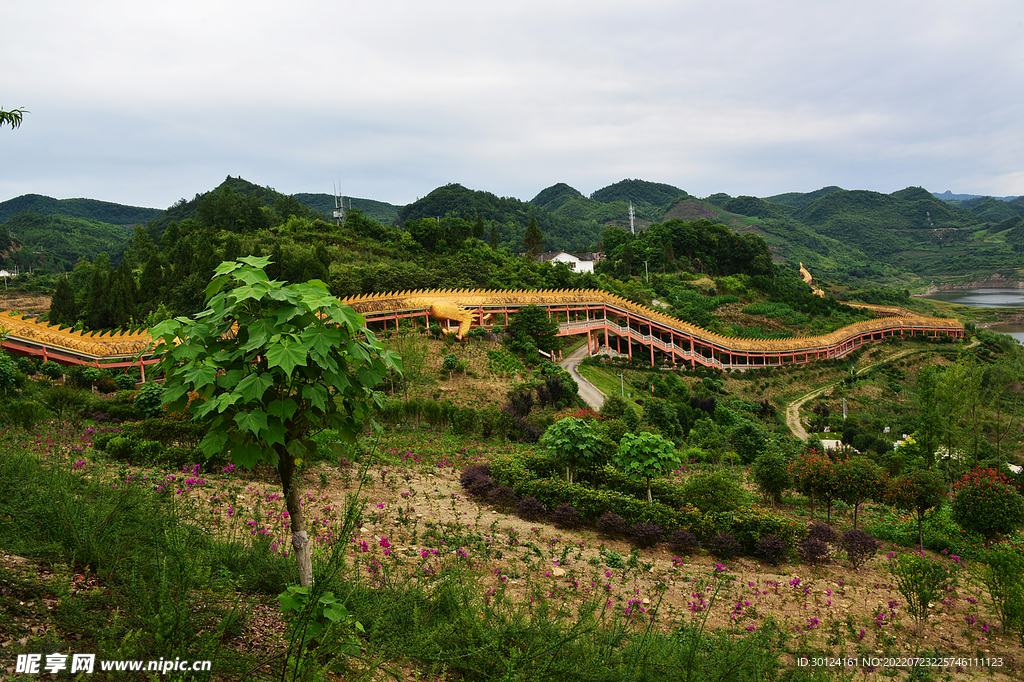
[522, 431]
[25, 365]
[986, 502]
[477, 480]
[813, 551]
[715, 491]
[23, 413]
[645, 534]
[683, 541]
[565, 516]
[120, 447]
[124, 382]
[51, 369]
[823, 532]
[149, 400]
[725, 546]
[437, 414]
[611, 523]
[771, 549]
[464, 420]
[859, 547]
[922, 582]
[531, 509]
[488, 418]
[614, 407]
[502, 497]
[771, 475]
[748, 441]
[1002, 577]
[749, 525]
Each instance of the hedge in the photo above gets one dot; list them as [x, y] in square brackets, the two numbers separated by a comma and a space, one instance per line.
[535, 475]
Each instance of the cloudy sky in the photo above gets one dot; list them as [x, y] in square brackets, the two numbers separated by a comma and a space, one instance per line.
[143, 102]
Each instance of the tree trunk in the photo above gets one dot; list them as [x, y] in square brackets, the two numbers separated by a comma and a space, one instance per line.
[292, 497]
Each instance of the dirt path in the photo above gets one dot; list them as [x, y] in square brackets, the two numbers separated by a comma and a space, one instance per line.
[793, 408]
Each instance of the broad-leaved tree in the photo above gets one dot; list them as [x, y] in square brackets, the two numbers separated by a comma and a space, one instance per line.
[267, 366]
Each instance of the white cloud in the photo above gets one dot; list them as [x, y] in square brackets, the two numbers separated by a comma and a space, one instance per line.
[143, 102]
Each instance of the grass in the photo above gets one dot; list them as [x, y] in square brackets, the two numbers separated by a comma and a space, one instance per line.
[608, 382]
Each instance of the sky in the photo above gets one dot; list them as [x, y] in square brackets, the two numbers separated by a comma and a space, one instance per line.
[144, 103]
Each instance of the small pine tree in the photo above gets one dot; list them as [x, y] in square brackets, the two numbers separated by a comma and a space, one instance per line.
[63, 306]
[533, 239]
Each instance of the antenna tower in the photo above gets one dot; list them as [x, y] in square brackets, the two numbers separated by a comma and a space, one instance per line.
[631, 229]
[339, 205]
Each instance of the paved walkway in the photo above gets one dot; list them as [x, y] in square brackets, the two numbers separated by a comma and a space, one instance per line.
[588, 391]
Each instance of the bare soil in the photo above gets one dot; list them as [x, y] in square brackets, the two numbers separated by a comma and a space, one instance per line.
[826, 608]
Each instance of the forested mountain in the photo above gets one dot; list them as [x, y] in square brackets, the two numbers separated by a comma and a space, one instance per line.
[250, 198]
[56, 243]
[844, 236]
[509, 217]
[799, 200]
[323, 204]
[556, 196]
[994, 210]
[90, 209]
[641, 192]
[953, 198]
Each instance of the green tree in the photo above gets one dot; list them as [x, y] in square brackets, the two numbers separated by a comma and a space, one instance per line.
[151, 285]
[811, 472]
[533, 239]
[929, 421]
[857, 480]
[272, 365]
[917, 492]
[771, 475]
[97, 308]
[956, 398]
[645, 456]
[748, 441]
[532, 326]
[575, 444]
[63, 306]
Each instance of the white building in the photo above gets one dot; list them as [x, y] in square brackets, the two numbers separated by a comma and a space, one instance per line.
[583, 262]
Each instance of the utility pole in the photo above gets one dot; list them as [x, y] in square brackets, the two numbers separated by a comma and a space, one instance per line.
[648, 274]
[622, 385]
[632, 231]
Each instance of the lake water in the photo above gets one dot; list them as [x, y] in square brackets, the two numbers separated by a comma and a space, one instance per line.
[989, 298]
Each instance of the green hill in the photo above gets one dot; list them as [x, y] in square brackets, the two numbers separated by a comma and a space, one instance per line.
[90, 209]
[641, 192]
[509, 216]
[56, 243]
[799, 200]
[323, 204]
[556, 196]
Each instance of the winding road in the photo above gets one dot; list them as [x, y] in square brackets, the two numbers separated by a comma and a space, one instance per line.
[588, 391]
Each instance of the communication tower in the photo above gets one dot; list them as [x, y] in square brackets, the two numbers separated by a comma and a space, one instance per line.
[339, 205]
